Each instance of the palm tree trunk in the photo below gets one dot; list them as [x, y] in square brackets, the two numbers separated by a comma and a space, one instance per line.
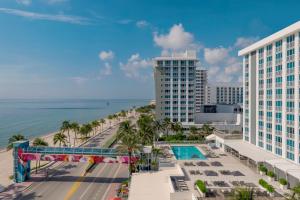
[69, 138]
[130, 164]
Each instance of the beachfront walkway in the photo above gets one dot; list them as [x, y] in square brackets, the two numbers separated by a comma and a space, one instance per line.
[6, 166]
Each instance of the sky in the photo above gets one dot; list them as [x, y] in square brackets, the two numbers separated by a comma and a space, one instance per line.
[103, 49]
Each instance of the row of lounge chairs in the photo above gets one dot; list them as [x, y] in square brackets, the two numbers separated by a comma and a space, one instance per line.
[181, 185]
[204, 164]
[214, 173]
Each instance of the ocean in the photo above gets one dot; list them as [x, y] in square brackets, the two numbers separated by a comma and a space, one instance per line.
[34, 118]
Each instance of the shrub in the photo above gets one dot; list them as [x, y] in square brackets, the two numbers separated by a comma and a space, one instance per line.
[262, 168]
[263, 183]
[282, 181]
[270, 188]
[201, 185]
[271, 174]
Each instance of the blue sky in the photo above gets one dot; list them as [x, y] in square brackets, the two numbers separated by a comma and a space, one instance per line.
[103, 49]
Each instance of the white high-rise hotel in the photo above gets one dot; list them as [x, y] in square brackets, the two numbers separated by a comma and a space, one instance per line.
[271, 93]
[178, 85]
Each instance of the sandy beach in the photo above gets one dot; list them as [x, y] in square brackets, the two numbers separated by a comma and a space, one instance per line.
[6, 159]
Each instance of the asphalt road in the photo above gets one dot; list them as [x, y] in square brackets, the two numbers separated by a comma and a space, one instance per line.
[69, 182]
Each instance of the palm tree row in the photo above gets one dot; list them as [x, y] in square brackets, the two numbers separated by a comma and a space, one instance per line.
[84, 130]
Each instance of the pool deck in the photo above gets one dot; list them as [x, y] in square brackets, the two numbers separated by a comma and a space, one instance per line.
[158, 185]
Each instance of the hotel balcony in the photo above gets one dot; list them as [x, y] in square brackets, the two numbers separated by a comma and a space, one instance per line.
[290, 58]
[290, 45]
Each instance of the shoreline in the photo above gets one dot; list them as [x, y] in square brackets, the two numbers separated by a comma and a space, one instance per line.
[6, 155]
[50, 135]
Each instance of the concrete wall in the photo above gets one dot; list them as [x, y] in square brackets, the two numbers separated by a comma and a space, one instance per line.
[202, 118]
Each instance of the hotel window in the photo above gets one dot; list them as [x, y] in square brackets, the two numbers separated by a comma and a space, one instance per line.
[175, 63]
[290, 155]
[290, 38]
[290, 65]
[278, 151]
[191, 63]
[167, 63]
[278, 68]
[183, 63]
[278, 43]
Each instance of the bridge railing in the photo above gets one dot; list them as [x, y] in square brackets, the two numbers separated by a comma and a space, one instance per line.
[70, 150]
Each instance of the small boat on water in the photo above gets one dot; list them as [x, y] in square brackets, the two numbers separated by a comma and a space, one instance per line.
[107, 103]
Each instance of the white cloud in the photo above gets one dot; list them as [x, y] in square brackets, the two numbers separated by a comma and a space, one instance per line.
[243, 42]
[106, 71]
[215, 55]
[234, 66]
[176, 39]
[221, 77]
[213, 70]
[142, 23]
[24, 2]
[40, 16]
[136, 67]
[106, 55]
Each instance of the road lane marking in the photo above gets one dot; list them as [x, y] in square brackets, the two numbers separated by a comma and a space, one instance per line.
[100, 171]
[75, 186]
[115, 175]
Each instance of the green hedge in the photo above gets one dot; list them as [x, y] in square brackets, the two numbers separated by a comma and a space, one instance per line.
[266, 185]
[201, 185]
[262, 168]
[271, 174]
[283, 181]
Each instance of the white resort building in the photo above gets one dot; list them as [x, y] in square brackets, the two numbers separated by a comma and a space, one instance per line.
[224, 93]
[176, 87]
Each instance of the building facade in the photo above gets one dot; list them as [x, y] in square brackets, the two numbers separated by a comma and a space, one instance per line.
[224, 93]
[200, 86]
[175, 86]
[271, 93]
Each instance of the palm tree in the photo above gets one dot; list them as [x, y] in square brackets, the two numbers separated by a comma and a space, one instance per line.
[243, 194]
[193, 130]
[123, 114]
[129, 141]
[295, 193]
[95, 125]
[176, 127]
[75, 127]
[146, 129]
[206, 130]
[126, 128]
[102, 122]
[167, 125]
[110, 117]
[65, 127]
[60, 138]
[85, 130]
[158, 126]
[14, 138]
[39, 142]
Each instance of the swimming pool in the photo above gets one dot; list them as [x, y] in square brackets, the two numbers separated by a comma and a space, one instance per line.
[187, 153]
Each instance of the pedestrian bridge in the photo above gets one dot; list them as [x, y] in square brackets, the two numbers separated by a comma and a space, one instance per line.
[23, 154]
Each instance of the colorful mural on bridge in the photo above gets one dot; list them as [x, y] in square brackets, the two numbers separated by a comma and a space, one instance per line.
[75, 158]
[23, 154]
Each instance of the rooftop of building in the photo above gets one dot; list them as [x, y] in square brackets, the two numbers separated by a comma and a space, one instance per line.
[225, 84]
[153, 185]
[185, 55]
[267, 40]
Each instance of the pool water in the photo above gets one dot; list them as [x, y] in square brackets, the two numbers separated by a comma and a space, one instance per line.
[187, 153]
